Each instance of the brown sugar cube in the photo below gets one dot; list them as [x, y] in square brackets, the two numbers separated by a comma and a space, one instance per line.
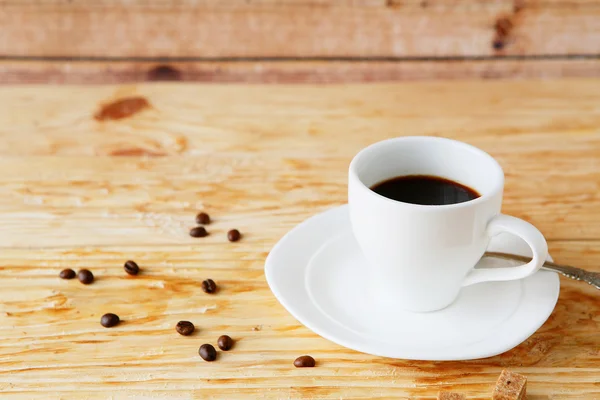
[451, 396]
[510, 386]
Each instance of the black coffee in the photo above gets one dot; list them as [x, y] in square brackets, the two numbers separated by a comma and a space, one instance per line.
[425, 190]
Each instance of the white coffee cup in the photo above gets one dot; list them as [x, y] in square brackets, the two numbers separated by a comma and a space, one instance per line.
[420, 256]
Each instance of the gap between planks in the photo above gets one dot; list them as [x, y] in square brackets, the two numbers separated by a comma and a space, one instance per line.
[107, 70]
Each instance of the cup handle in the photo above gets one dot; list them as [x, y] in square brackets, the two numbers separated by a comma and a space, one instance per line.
[524, 230]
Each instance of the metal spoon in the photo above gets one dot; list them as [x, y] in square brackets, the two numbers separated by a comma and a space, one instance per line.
[593, 278]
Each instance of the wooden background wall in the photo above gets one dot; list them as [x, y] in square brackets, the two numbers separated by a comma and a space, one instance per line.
[96, 41]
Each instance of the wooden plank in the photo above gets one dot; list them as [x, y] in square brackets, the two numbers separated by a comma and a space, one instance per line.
[244, 4]
[160, 29]
[68, 201]
[77, 192]
[49, 331]
[545, 135]
[92, 72]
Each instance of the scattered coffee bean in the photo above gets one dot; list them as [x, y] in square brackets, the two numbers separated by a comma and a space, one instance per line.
[67, 274]
[209, 286]
[208, 352]
[225, 342]
[131, 267]
[234, 235]
[304, 362]
[185, 328]
[203, 218]
[85, 276]
[109, 320]
[198, 232]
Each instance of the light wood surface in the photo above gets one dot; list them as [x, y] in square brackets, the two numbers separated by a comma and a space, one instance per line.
[309, 41]
[239, 28]
[76, 192]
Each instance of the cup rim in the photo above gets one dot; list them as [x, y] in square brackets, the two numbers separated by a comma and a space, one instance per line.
[497, 187]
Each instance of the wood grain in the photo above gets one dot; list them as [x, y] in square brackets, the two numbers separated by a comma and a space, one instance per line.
[241, 29]
[296, 41]
[93, 72]
[76, 192]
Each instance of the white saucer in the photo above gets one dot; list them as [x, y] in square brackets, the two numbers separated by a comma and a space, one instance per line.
[316, 271]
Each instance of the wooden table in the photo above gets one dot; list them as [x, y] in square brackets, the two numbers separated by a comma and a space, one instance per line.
[91, 41]
[81, 193]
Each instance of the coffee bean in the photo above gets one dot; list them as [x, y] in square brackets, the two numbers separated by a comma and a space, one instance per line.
[109, 320]
[203, 218]
[185, 328]
[131, 267]
[67, 274]
[85, 276]
[198, 232]
[304, 362]
[225, 342]
[208, 352]
[234, 235]
[209, 286]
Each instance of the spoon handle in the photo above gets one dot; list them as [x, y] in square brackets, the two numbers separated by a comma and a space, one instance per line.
[593, 278]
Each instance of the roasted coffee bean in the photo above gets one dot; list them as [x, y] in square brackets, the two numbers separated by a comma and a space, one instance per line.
[225, 342]
[185, 328]
[67, 274]
[209, 286]
[198, 232]
[203, 218]
[304, 362]
[109, 320]
[85, 276]
[131, 267]
[234, 235]
[208, 352]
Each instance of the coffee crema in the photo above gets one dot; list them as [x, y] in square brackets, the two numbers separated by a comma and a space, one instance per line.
[425, 190]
